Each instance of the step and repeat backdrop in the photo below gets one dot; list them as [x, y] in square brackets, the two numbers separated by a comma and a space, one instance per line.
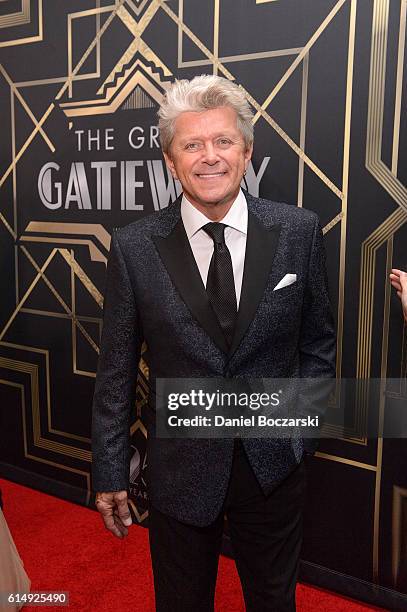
[80, 83]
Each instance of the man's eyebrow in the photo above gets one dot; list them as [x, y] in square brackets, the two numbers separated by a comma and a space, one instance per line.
[217, 135]
[186, 138]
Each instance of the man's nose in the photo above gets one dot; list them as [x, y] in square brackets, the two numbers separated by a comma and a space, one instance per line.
[210, 155]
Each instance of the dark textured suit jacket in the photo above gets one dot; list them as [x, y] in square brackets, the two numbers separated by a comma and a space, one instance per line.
[154, 292]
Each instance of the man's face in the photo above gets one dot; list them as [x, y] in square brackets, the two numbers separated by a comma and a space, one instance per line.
[208, 156]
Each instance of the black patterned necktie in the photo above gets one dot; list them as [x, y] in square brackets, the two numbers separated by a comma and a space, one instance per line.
[220, 285]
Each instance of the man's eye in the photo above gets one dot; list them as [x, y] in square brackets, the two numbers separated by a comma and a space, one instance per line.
[192, 146]
[224, 142]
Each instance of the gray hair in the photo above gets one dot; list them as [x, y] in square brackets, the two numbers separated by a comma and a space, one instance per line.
[202, 93]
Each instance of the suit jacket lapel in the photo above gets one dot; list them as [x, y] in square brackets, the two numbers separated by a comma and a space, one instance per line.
[176, 254]
[261, 246]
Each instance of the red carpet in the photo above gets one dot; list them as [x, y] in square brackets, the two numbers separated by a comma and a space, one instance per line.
[66, 548]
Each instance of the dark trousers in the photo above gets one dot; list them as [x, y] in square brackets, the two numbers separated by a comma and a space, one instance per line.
[266, 536]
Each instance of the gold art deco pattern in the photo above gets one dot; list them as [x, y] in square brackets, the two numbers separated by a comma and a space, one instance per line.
[129, 84]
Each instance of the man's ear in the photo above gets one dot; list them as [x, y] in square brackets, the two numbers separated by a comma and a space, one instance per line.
[170, 165]
[248, 155]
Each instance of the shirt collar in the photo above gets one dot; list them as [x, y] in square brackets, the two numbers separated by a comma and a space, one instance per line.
[194, 220]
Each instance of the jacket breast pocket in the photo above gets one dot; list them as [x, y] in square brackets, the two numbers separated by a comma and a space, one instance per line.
[293, 291]
[280, 315]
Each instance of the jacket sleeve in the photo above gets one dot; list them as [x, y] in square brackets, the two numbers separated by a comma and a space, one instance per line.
[317, 339]
[115, 387]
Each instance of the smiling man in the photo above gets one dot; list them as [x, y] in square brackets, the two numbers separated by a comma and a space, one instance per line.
[219, 284]
[209, 156]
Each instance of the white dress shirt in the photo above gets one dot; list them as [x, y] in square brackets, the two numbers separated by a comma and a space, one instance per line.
[202, 244]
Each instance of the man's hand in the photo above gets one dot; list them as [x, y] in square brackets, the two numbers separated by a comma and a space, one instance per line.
[115, 512]
[398, 279]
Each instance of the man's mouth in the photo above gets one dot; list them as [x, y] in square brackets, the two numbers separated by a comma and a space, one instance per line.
[208, 175]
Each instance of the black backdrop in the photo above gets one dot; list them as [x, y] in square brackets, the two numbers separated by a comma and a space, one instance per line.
[80, 82]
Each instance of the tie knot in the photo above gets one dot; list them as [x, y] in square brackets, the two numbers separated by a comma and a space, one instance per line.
[216, 231]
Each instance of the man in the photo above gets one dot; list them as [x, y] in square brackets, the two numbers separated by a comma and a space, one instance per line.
[398, 279]
[201, 283]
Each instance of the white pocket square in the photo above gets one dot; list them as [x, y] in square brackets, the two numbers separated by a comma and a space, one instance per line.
[288, 279]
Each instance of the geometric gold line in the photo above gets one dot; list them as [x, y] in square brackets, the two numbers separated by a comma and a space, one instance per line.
[299, 58]
[95, 253]
[180, 20]
[29, 39]
[138, 426]
[113, 89]
[26, 107]
[384, 176]
[353, 435]
[140, 517]
[16, 19]
[376, 515]
[65, 467]
[194, 38]
[39, 441]
[83, 277]
[85, 373]
[34, 349]
[345, 181]
[54, 80]
[97, 11]
[399, 86]
[137, 28]
[364, 466]
[98, 21]
[387, 179]
[73, 307]
[90, 12]
[48, 444]
[115, 94]
[27, 293]
[75, 370]
[303, 127]
[216, 36]
[138, 7]
[246, 57]
[59, 315]
[226, 58]
[254, 103]
[377, 84]
[27, 143]
[368, 256]
[89, 49]
[95, 229]
[382, 402]
[7, 225]
[386, 229]
[60, 299]
[70, 257]
[45, 353]
[332, 223]
[259, 55]
[137, 45]
[32, 370]
[14, 182]
[301, 154]
[34, 457]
